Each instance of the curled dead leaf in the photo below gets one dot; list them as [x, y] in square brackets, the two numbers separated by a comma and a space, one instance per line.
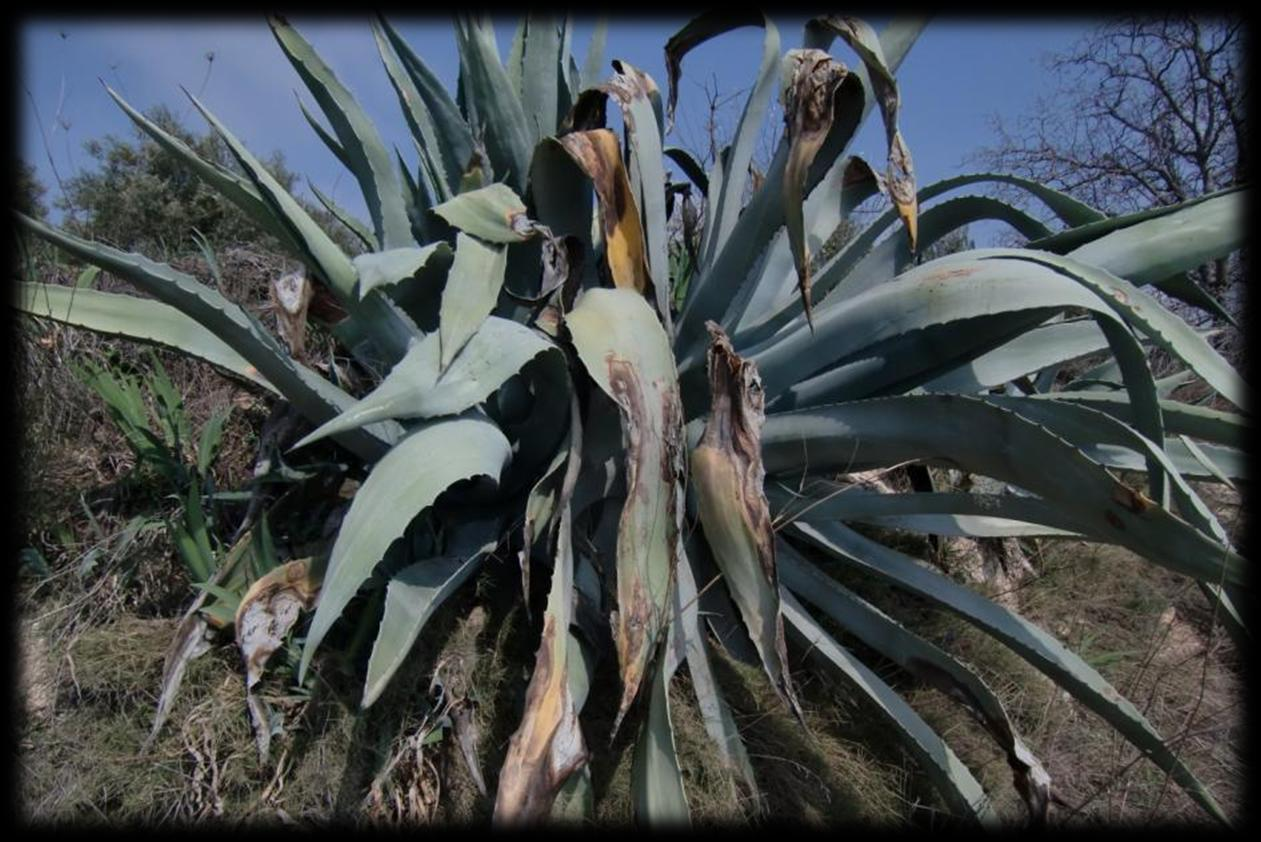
[727, 468]
[811, 81]
[291, 297]
[266, 614]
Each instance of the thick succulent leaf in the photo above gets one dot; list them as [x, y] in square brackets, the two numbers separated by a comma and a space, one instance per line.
[1044, 346]
[324, 255]
[961, 431]
[499, 111]
[952, 779]
[772, 283]
[494, 213]
[1024, 638]
[893, 256]
[1083, 233]
[598, 154]
[690, 167]
[623, 347]
[417, 388]
[548, 746]
[633, 89]
[368, 158]
[927, 296]
[726, 206]
[727, 472]
[332, 143]
[472, 289]
[541, 68]
[314, 397]
[593, 64]
[709, 294]
[838, 270]
[411, 598]
[240, 191]
[444, 133]
[933, 513]
[1212, 425]
[540, 510]
[142, 319]
[1145, 314]
[927, 663]
[404, 483]
[347, 219]
[388, 268]
[657, 792]
[689, 643]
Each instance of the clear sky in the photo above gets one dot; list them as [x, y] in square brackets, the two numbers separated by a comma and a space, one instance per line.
[959, 73]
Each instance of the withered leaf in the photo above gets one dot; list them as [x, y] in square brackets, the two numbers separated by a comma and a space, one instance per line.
[811, 81]
[727, 469]
[598, 153]
[266, 614]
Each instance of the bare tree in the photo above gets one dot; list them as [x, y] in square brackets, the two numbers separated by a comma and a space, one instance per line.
[1149, 111]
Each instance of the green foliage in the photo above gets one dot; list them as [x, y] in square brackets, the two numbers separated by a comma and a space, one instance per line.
[795, 343]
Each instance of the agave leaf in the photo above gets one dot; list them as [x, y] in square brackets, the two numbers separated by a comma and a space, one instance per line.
[493, 213]
[541, 60]
[726, 205]
[711, 292]
[142, 319]
[627, 353]
[406, 481]
[773, 280]
[597, 153]
[1030, 352]
[444, 133]
[690, 167]
[593, 64]
[472, 289]
[656, 779]
[388, 268]
[959, 431]
[689, 642]
[548, 746]
[499, 109]
[926, 662]
[331, 142]
[816, 91]
[934, 513]
[1024, 638]
[415, 388]
[326, 258]
[344, 216]
[240, 191]
[540, 509]
[900, 178]
[1212, 425]
[633, 89]
[952, 779]
[727, 469]
[1144, 313]
[313, 396]
[360, 142]
[264, 617]
[1086, 232]
[411, 598]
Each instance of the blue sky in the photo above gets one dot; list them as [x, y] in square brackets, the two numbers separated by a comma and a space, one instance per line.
[958, 74]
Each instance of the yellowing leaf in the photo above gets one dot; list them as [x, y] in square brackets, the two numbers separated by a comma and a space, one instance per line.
[598, 154]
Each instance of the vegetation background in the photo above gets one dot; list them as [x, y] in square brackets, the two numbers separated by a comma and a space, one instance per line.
[101, 584]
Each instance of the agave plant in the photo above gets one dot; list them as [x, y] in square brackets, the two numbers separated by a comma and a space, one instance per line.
[516, 295]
